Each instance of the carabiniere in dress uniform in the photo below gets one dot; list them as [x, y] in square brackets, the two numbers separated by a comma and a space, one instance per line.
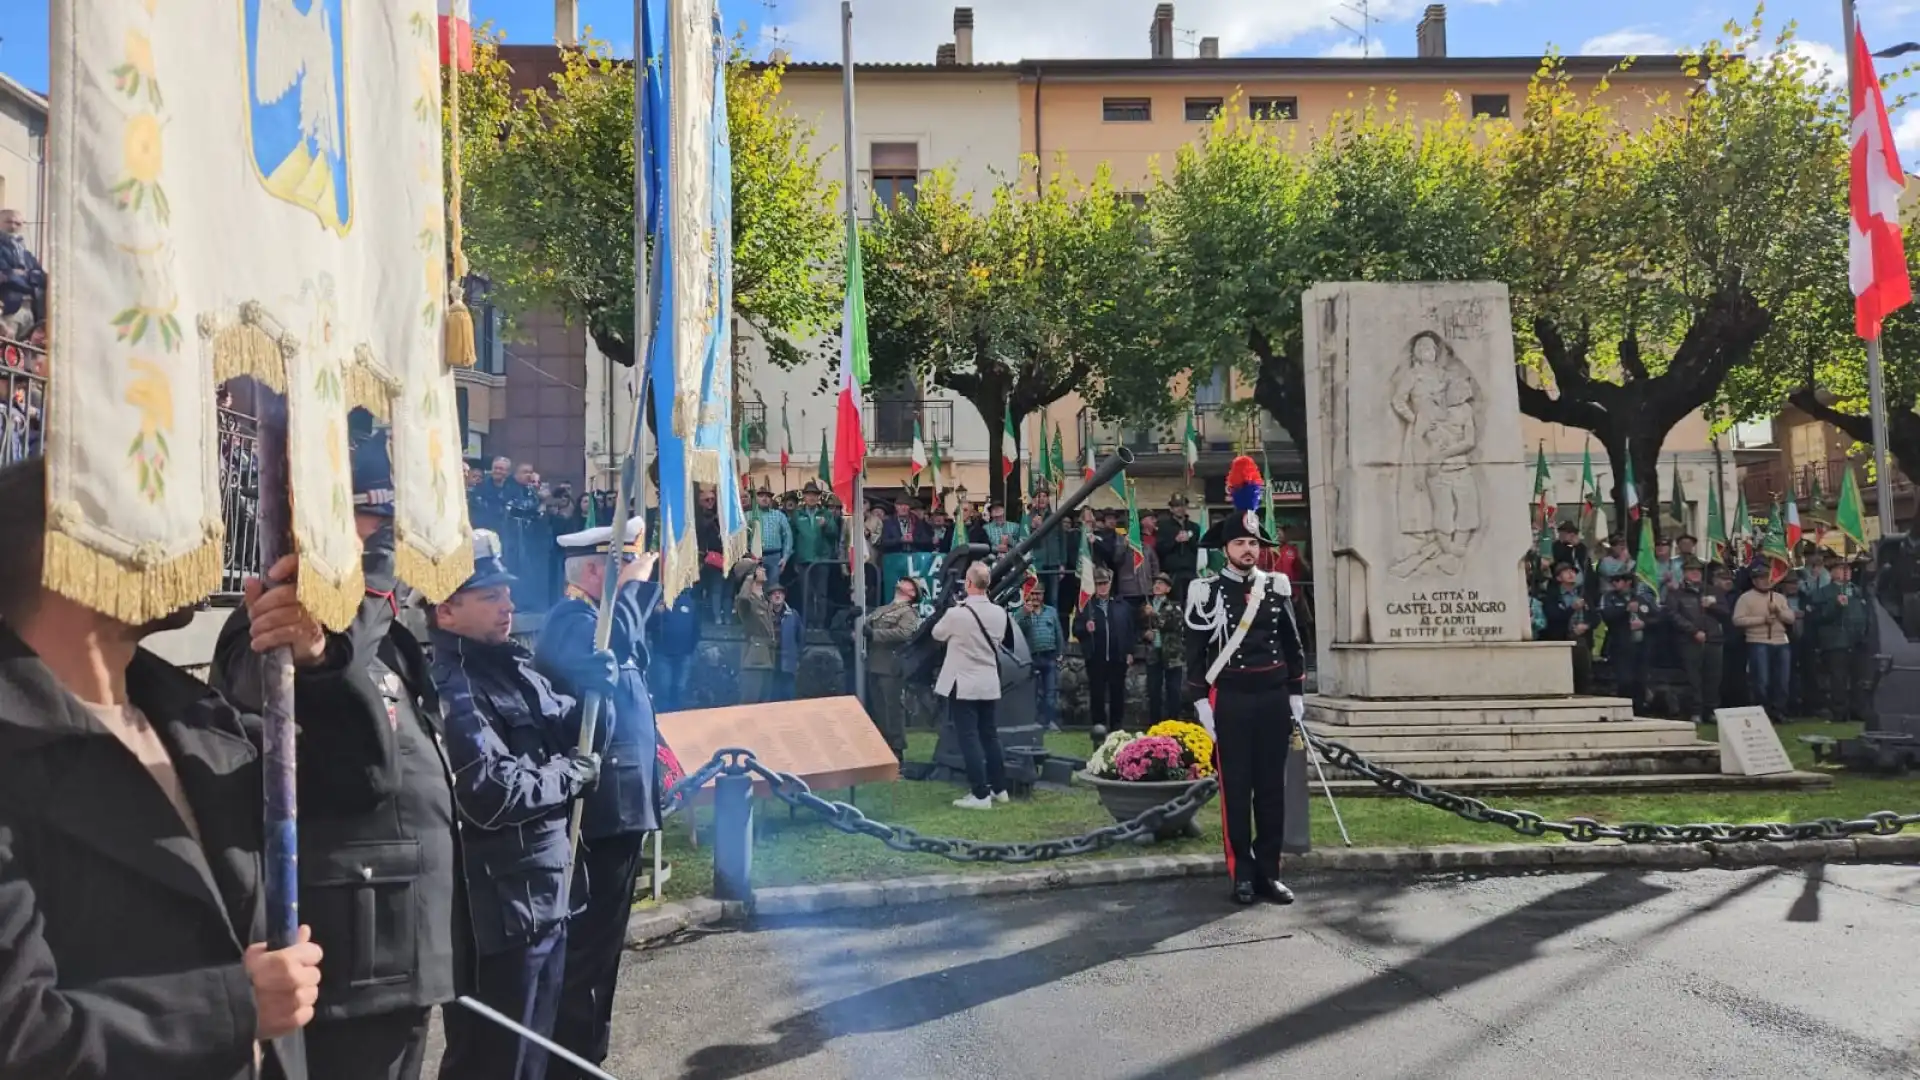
[1245, 674]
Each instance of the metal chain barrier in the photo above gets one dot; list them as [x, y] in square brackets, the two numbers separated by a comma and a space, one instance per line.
[1587, 830]
[846, 817]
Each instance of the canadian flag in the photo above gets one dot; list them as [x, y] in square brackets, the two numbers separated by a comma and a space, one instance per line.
[1877, 258]
[456, 34]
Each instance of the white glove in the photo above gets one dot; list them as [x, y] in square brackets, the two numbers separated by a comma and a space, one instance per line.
[1204, 710]
[1298, 705]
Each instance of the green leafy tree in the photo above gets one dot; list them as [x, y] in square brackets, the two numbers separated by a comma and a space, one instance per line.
[1012, 305]
[1246, 221]
[549, 201]
[1650, 257]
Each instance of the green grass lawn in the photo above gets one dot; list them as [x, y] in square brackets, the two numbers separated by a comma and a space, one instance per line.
[800, 850]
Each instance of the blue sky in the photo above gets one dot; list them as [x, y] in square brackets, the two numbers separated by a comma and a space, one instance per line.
[910, 30]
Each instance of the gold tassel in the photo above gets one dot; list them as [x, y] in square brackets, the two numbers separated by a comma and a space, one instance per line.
[369, 388]
[246, 348]
[459, 325]
[436, 579]
[683, 565]
[125, 590]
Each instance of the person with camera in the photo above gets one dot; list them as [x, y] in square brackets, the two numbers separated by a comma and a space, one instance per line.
[970, 681]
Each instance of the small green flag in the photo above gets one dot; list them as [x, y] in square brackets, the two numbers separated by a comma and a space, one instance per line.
[1266, 501]
[1645, 566]
[1849, 516]
[1678, 509]
[1743, 528]
[1774, 545]
[1059, 461]
[959, 538]
[1542, 480]
[933, 467]
[1630, 494]
[1589, 487]
[1817, 499]
[1134, 542]
[1716, 526]
[826, 463]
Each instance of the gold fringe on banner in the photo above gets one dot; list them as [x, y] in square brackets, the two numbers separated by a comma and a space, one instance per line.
[436, 579]
[459, 321]
[247, 348]
[132, 591]
[333, 603]
[703, 466]
[369, 386]
[683, 567]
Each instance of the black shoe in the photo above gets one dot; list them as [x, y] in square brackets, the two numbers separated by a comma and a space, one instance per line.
[1243, 892]
[1270, 890]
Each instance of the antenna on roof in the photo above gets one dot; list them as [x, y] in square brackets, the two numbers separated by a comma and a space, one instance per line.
[1364, 16]
[1190, 39]
[771, 30]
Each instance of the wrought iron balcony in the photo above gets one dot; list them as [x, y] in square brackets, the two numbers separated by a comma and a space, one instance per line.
[1219, 436]
[889, 425]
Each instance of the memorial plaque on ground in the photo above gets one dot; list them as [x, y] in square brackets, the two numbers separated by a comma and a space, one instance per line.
[1417, 462]
[1748, 744]
[828, 742]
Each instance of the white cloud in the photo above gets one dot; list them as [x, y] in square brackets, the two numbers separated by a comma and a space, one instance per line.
[1004, 30]
[1628, 41]
[1829, 63]
[1906, 133]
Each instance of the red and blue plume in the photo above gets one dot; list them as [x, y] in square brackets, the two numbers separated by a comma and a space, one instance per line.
[1244, 485]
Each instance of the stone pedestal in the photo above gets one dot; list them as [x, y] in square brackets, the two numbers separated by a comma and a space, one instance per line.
[1420, 486]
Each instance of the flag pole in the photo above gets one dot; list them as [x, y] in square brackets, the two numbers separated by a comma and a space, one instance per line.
[1876, 377]
[856, 520]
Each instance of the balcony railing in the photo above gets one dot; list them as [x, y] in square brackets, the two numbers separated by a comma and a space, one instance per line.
[889, 424]
[22, 419]
[1765, 483]
[1216, 432]
[753, 426]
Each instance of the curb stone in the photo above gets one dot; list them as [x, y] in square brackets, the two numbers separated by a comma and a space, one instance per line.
[652, 924]
[813, 899]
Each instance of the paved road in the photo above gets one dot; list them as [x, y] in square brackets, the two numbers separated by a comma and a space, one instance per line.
[1772, 972]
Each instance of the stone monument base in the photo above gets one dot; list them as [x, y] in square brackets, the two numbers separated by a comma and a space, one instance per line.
[1510, 737]
[1481, 669]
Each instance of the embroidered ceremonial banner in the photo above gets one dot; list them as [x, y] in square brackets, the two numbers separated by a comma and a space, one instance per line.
[244, 188]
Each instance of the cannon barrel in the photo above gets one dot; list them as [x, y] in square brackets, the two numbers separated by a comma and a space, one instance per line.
[1015, 560]
[920, 657]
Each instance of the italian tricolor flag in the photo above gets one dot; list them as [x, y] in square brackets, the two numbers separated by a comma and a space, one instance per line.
[1009, 445]
[850, 440]
[919, 461]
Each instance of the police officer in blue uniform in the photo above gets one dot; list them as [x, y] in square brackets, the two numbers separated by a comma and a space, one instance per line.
[510, 737]
[377, 843]
[620, 807]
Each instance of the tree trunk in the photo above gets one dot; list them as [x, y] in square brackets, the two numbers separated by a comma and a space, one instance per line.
[1281, 387]
[1644, 448]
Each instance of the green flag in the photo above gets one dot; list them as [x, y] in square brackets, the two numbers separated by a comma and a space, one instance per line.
[826, 463]
[959, 538]
[1631, 494]
[1043, 459]
[1059, 461]
[1743, 528]
[1716, 526]
[1190, 446]
[1645, 566]
[1542, 481]
[1266, 504]
[1589, 487]
[1678, 509]
[1817, 499]
[933, 468]
[1134, 542]
[1849, 516]
[1774, 545]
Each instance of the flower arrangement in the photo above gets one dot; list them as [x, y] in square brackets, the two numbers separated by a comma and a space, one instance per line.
[1152, 758]
[1101, 764]
[1193, 739]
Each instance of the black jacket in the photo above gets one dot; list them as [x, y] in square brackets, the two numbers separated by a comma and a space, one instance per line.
[507, 734]
[1177, 560]
[894, 539]
[1269, 657]
[622, 800]
[1114, 630]
[377, 851]
[121, 938]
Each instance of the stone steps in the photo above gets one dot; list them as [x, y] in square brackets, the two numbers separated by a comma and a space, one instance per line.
[1462, 738]
[1692, 757]
[1350, 713]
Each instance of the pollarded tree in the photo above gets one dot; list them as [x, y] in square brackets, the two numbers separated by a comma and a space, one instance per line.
[1247, 221]
[549, 201]
[1649, 259]
[1012, 305]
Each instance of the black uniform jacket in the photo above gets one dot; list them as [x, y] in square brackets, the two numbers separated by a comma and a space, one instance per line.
[120, 937]
[1269, 657]
[377, 853]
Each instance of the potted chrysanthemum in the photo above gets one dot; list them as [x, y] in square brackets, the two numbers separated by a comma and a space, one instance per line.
[1135, 773]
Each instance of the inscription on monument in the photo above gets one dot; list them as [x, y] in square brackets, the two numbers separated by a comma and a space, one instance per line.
[1446, 615]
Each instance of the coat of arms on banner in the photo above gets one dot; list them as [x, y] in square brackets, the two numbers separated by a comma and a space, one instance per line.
[244, 188]
[297, 105]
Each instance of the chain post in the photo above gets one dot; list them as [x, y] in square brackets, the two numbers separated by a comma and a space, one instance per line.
[733, 837]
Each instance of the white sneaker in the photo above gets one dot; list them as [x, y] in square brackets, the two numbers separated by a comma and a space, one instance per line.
[969, 802]
[1001, 796]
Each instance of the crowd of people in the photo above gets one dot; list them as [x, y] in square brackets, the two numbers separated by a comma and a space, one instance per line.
[1723, 629]
[23, 337]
